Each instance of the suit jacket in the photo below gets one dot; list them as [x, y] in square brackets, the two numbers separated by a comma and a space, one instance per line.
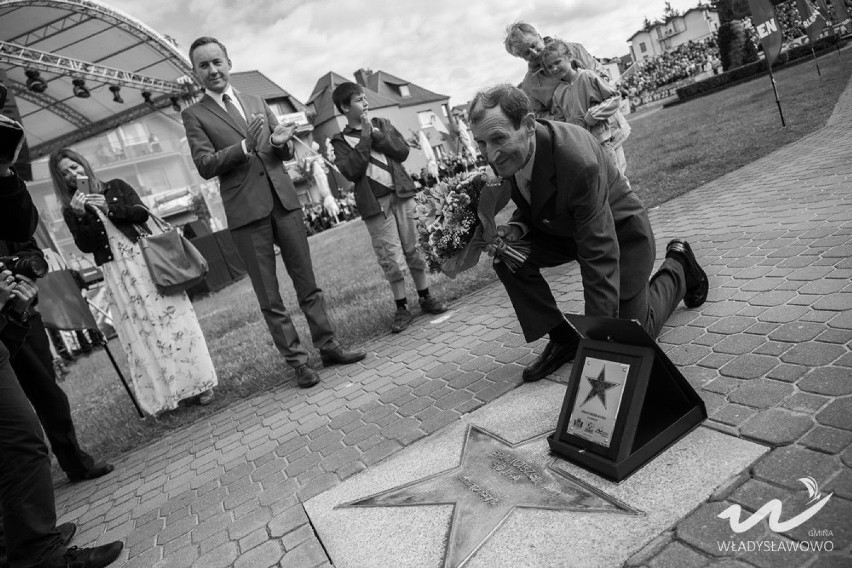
[215, 141]
[579, 199]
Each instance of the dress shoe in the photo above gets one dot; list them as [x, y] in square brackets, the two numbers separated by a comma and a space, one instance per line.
[98, 470]
[431, 305]
[67, 530]
[95, 557]
[337, 355]
[554, 356]
[697, 284]
[306, 376]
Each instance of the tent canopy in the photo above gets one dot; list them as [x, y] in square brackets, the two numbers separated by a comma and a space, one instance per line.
[71, 40]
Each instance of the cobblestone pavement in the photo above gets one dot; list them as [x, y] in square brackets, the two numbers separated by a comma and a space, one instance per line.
[769, 353]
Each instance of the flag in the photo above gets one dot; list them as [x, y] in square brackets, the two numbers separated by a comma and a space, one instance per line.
[812, 20]
[823, 10]
[764, 21]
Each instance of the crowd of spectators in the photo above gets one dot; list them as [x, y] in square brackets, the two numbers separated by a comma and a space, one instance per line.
[686, 60]
[318, 219]
[448, 167]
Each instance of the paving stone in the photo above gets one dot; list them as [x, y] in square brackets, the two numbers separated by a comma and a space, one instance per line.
[676, 555]
[761, 393]
[739, 344]
[813, 354]
[797, 332]
[835, 302]
[785, 466]
[266, 555]
[838, 413]
[733, 414]
[831, 381]
[828, 440]
[704, 530]
[749, 366]
[783, 314]
[307, 555]
[777, 426]
[723, 385]
[787, 372]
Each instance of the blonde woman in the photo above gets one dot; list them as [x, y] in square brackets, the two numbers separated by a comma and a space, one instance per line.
[166, 351]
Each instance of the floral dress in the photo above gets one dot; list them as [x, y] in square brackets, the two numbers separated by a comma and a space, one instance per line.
[165, 347]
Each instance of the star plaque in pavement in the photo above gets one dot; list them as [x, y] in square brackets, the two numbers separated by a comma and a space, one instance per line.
[599, 387]
[493, 478]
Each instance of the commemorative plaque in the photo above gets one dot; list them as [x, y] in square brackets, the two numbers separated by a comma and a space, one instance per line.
[626, 401]
[493, 479]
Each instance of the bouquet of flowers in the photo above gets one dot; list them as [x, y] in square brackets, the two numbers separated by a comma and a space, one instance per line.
[455, 222]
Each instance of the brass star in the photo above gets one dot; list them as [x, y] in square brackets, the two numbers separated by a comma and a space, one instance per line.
[599, 387]
[493, 478]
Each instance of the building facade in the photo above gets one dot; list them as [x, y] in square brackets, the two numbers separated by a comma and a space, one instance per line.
[696, 24]
[409, 107]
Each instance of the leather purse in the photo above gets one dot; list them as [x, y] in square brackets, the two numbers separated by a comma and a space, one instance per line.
[174, 263]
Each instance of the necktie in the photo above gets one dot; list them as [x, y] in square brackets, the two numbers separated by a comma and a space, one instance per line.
[235, 114]
[523, 187]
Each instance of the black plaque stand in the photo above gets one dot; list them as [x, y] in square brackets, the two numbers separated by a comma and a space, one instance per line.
[658, 405]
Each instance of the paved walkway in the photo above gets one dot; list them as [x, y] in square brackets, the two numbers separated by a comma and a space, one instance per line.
[769, 353]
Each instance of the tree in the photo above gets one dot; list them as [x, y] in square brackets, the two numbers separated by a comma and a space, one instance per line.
[669, 12]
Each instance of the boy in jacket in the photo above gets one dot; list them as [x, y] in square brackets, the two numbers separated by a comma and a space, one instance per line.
[370, 152]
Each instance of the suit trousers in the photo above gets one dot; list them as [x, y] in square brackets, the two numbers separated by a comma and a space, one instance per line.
[33, 364]
[254, 244]
[538, 312]
[26, 486]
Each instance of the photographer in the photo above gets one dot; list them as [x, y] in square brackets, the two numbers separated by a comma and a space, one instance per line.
[26, 489]
[33, 364]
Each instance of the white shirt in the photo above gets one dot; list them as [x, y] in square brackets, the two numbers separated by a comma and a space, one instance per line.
[234, 100]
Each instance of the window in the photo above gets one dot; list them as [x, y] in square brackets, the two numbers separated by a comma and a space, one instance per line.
[404, 91]
[425, 118]
[446, 110]
[642, 47]
[439, 151]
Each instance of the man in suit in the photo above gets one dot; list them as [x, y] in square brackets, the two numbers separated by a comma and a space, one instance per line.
[237, 138]
[573, 204]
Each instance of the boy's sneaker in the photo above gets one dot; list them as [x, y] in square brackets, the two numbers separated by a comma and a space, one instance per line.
[401, 320]
[95, 557]
[431, 305]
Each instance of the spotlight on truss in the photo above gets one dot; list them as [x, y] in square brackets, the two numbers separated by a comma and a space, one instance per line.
[34, 81]
[80, 89]
[116, 94]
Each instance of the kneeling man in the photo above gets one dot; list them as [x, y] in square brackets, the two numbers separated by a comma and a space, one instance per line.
[573, 204]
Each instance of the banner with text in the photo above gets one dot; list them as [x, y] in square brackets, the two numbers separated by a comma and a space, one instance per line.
[812, 19]
[764, 21]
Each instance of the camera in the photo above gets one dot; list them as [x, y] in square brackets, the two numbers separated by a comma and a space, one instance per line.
[32, 266]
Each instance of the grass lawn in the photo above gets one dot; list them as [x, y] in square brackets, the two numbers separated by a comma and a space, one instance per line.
[670, 152]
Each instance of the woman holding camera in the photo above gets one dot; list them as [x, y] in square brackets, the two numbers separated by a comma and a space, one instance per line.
[165, 347]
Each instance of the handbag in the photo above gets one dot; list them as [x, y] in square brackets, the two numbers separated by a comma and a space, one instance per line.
[174, 263]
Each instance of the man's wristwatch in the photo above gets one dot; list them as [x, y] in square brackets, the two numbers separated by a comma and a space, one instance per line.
[13, 316]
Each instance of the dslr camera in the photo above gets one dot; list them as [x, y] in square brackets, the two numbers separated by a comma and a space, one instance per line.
[32, 266]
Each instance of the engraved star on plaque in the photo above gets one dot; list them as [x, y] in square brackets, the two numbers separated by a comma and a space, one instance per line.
[599, 387]
[493, 479]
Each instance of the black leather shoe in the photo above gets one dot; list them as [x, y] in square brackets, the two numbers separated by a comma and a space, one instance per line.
[554, 356]
[67, 530]
[95, 557]
[306, 376]
[697, 284]
[337, 355]
[100, 469]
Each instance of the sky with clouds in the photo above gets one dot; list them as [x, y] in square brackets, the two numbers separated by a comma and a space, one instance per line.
[452, 47]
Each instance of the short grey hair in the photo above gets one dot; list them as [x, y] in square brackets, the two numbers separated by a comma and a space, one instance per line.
[512, 101]
[515, 36]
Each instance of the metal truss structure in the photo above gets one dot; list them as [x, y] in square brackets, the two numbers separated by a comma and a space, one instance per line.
[95, 128]
[55, 106]
[43, 61]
